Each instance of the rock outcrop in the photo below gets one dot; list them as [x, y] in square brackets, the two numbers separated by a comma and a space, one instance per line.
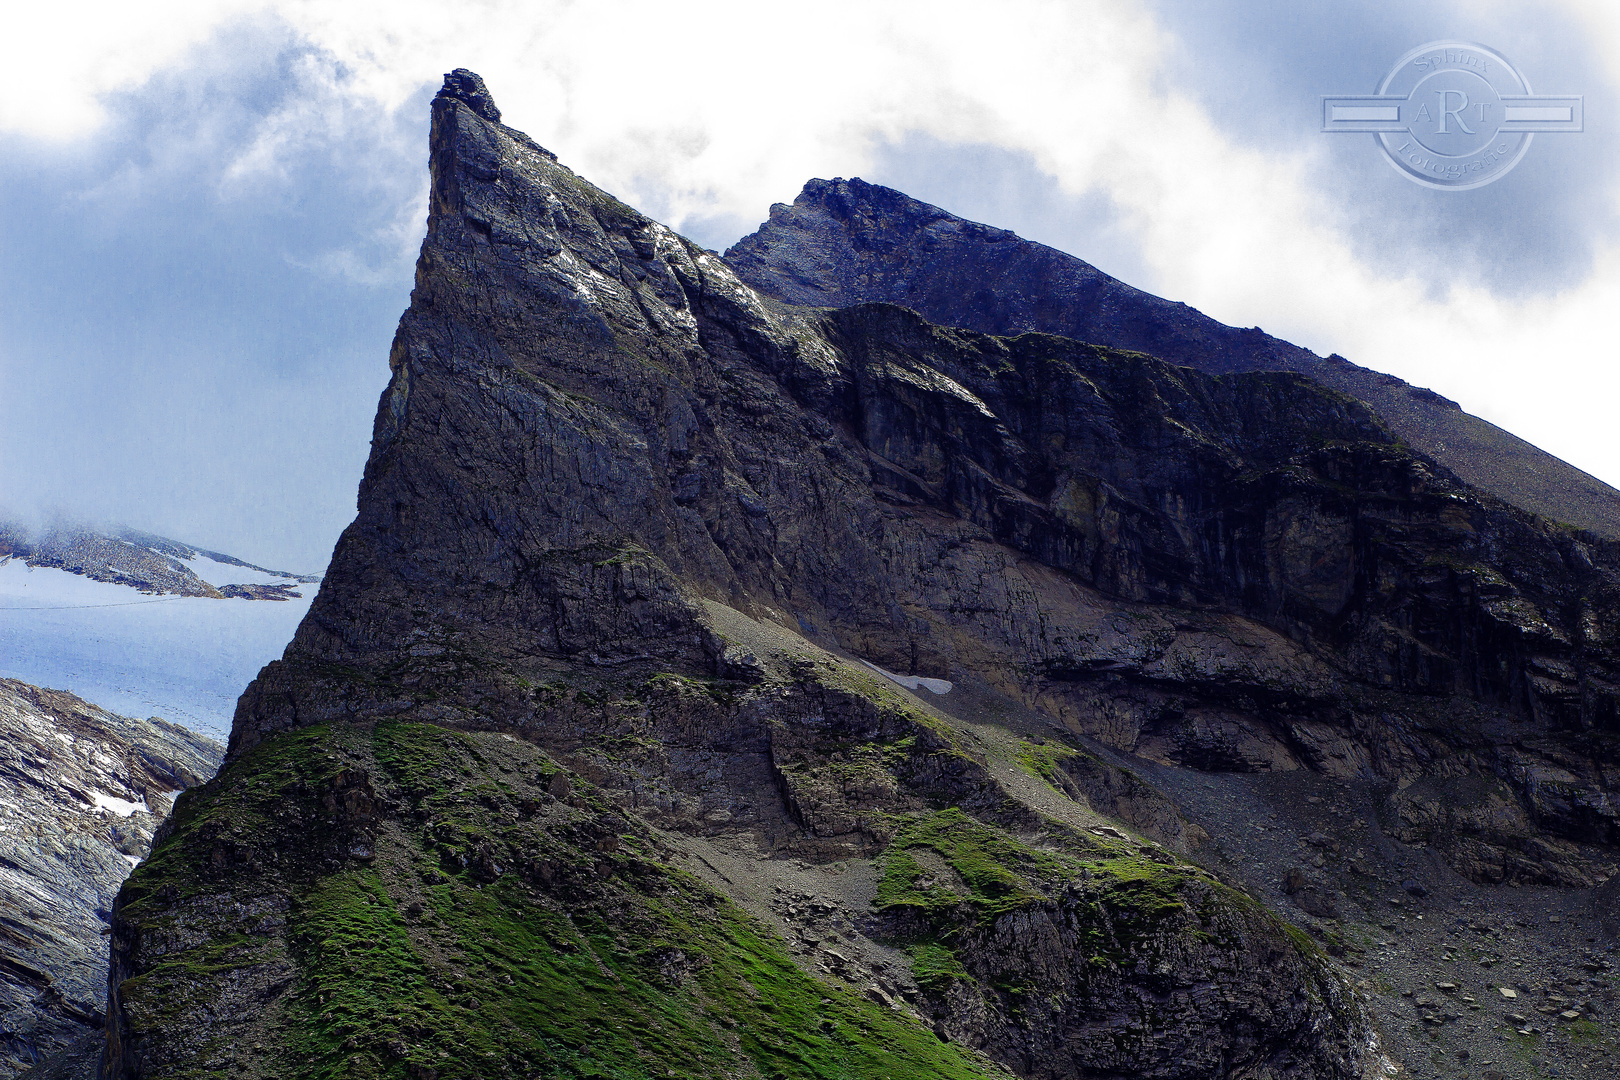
[81, 791]
[844, 242]
[144, 562]
[1514, 788]
[584, 761]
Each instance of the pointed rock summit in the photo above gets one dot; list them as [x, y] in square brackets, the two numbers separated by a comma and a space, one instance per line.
[585, 761]
[468, 88]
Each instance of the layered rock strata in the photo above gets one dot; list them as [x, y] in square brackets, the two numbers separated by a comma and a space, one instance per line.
[1517, 791]
[844, 242]
[81, 791]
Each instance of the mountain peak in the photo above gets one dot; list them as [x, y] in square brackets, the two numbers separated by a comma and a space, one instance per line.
[468, 87]
[846, 242]
[643, 564]
[856, 196]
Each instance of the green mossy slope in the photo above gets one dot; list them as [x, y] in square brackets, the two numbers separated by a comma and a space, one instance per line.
[494, 931]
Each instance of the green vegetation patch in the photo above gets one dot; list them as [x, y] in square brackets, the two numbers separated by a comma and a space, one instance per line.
[993, 866]
[934, 966]
[364, 985]
[1044, 761]
[423, 759]
[223, 825]
[582, 958]
[495, 932]
[947, 878]
[1003, 874]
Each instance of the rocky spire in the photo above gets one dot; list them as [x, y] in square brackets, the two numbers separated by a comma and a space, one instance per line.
[625, 527]
[468, 87]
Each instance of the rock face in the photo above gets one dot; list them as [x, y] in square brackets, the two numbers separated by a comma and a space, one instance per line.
[1507, 801]
[846, 242]
[572, 767]
[81, 791]
[578, 686]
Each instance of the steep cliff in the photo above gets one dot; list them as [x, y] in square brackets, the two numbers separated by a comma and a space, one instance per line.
[845, 242]
[584, 761]
[81, 791]
[570, 768]
[1407, 591]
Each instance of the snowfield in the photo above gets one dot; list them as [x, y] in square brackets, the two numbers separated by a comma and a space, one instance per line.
[912, 682]
[220, 574]
[183, 658]
[121, 807]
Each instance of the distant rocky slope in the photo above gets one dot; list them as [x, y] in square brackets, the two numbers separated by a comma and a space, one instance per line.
[146, 563]
[81, 791]
[575, 768]
[846, 242]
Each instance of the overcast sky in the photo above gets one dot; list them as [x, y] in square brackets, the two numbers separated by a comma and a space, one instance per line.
[209, 211]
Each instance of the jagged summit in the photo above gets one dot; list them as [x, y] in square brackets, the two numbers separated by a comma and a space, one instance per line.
[584, 761]
[845, 242]
[468, 87]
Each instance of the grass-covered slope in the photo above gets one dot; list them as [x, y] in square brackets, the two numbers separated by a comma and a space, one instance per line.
[397, 898]
[428, 907]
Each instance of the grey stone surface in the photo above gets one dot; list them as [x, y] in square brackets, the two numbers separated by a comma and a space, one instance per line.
[81, 792]
[844, 242]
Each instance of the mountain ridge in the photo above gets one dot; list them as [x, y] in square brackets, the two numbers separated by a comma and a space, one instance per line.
[147, 563]
[848, 241]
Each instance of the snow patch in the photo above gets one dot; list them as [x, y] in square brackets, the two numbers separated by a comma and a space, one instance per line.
[183, 658]
[912, 682]
[220, 574]
[121, 807]
[27, 588]
[133, 860]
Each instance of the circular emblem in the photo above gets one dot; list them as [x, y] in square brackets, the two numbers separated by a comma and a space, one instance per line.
[1453, 109]
[1453, 115]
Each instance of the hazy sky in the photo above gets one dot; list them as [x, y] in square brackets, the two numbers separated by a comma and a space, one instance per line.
[209, 211]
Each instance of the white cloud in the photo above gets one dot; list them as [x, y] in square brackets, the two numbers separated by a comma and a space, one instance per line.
[718, 109]
[387, 247]
[61, 59]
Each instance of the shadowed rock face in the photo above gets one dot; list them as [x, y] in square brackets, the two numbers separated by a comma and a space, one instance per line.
[81, 791]
[1451, 630]
[846, 242]
[577, 706]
